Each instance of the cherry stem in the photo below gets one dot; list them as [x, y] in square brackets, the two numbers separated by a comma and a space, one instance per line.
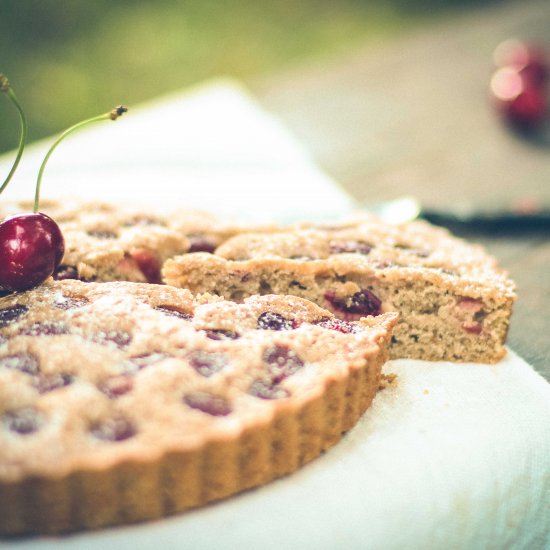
[5, 87]
[112, 115]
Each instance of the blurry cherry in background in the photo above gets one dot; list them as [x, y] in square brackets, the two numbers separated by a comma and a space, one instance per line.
[519, 85]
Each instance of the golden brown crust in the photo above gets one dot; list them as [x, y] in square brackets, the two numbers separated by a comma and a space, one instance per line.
[62, 470]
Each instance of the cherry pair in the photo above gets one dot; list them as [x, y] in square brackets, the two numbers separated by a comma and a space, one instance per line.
[519, 84]
[31, 244]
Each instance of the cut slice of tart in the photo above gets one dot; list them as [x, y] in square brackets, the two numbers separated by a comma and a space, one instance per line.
[454, 302]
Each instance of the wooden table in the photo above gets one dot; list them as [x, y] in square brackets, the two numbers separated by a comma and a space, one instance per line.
[413, 117]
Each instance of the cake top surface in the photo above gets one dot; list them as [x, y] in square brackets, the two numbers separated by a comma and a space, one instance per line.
[102, 219]
[94, 373]
[373, 246]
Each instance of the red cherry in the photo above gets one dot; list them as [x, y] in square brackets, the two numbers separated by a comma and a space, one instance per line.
[535, 73]
[527, 59]
[506, 84]
[148, 264]
[528, 109]
[31, 247]
[521, 103]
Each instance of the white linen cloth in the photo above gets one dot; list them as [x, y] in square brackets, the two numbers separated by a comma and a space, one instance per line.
[454, 456]
[212, 148]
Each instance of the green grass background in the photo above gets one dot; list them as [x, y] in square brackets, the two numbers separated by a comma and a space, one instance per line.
[71, 59]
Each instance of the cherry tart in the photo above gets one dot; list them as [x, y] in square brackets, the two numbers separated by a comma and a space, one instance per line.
[123, 402]
[453, 300]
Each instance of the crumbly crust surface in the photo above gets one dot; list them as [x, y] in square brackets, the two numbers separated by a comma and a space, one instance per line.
[454, 301]
[106, 242]
[121, 402]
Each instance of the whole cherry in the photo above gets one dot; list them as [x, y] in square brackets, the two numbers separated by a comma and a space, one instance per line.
[31, 247]
[522, 104]
[32, 244]
[519, 85]
[527, 59]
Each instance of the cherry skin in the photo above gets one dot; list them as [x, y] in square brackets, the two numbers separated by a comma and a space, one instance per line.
[522, 104]
[528, 109]
[31, 248]
[528, 59]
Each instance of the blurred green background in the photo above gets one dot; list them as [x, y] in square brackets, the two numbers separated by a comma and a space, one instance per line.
[67, 60]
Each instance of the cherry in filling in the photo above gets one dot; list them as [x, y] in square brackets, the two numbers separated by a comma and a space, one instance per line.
[70, 302]
[46, 383]
[221, 334]
[207, 363]
[214, 405]
[201, 243]
[115, 386]
[148, 264]
[269, 320]
[141, 260]
[102, 234]
[281, 362]
[11, 314]
[113, 429]
[348, 247]
[148, 359]
[23, 362]
[266, 389]
[120, 339]
[339, 325]
[361, 303]
[23, 421]
[45, 328]
[473, 327]
[142, 219]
